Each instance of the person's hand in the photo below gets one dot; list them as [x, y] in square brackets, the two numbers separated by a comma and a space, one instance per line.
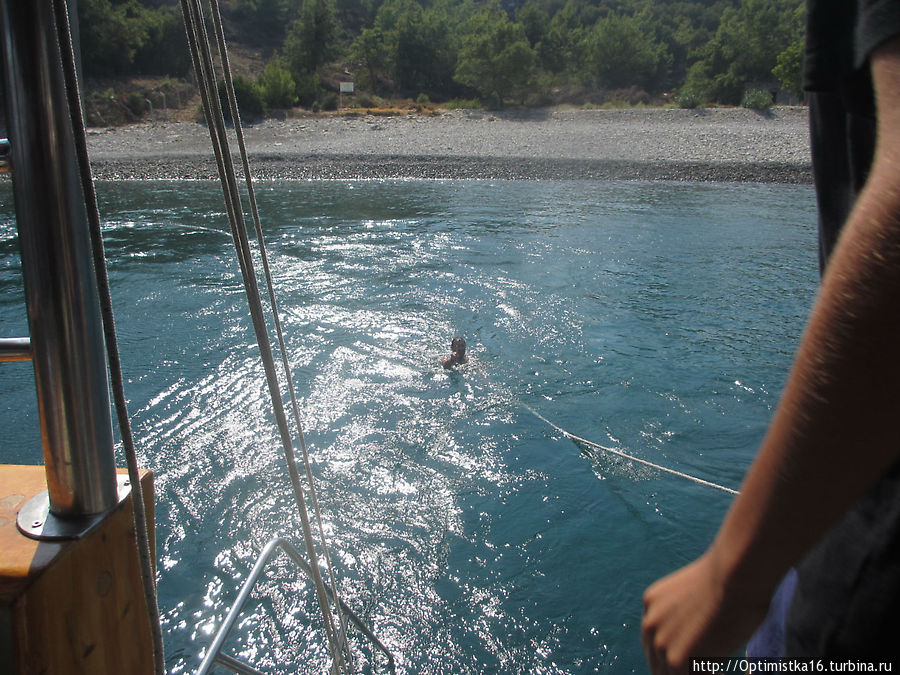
[691, 614]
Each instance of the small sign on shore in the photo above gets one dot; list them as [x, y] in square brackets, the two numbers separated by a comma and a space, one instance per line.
[346, 88]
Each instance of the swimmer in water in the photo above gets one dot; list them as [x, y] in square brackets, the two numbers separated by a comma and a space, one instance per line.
[458, 355]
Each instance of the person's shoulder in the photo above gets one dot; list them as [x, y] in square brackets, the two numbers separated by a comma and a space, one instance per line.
[453, 360]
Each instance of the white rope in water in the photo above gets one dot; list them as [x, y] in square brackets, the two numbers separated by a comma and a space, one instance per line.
[623, 455]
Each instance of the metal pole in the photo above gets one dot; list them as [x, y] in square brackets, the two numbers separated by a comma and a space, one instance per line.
[15, 349]
[60, 286]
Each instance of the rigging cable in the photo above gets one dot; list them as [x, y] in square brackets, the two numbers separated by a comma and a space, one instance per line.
[201, 55]
[273, 303]
[619, 453]
[64, 38]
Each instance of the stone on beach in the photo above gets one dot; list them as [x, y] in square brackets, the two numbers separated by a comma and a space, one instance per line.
[719, 144]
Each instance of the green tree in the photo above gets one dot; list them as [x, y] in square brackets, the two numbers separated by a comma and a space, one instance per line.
[312, 39]
[370, 53]
[249, 99]
[263, 22]
[534, 21]
[164, 50]
[789, 63]
[621, 54]
[423, 58]
[409, 49]
[681, 28]
[126, 37]
[495, 58]
[276, 85]
[789, 69]
[562, 48]
[111, 34]
[389, 13]
[744, 49]
[353, 15]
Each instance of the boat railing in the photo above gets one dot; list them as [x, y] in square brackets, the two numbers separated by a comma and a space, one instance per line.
[72, 347]
[64, 314]
[279, 544]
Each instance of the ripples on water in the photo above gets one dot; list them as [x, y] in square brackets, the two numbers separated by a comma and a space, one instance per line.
[657, 318]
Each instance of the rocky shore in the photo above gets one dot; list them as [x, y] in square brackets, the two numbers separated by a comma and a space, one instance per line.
[642, 144]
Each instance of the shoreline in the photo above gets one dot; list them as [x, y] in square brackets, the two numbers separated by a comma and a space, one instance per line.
[710, 145]
[451, 168]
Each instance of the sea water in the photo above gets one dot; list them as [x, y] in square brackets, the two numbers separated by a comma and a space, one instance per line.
[658, 319]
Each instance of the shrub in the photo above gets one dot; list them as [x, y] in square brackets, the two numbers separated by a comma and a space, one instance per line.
[328, 100]
[365, 100]
[136, 103]
[423, 99]
[308, 89]
[165, 51]
[276, 85]
[688, 99]
[249, 99]
[463, 104]
[758, 100]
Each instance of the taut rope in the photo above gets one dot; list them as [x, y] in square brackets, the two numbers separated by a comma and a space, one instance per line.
[198, 41]
[630, 458]
[145, 556]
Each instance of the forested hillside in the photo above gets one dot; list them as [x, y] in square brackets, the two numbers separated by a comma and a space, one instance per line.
[468, 52]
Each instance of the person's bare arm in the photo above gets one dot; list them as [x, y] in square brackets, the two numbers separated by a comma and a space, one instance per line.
[832, 436]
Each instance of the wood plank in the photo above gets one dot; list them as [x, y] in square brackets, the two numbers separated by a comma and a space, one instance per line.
[78, 606]
[19, 554]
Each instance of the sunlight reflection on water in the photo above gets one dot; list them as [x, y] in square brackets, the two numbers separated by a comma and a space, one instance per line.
[657, 318]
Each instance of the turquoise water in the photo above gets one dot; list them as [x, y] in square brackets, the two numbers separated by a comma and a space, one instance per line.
[655, 318]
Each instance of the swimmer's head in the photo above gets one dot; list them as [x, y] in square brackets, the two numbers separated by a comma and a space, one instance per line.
[458, 345]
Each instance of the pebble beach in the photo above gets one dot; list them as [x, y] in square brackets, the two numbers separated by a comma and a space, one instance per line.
[719, 144]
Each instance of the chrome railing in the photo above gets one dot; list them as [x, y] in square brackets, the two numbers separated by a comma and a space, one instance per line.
[214, 655]
[66, 345]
